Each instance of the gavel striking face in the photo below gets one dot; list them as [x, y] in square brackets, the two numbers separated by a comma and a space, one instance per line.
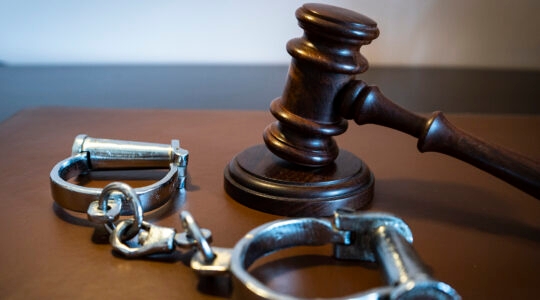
[321, 93]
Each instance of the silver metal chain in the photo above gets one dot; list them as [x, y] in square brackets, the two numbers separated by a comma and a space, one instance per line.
[134, 237]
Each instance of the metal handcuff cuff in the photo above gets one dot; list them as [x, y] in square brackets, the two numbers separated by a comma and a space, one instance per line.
[106, 205]
[371, 237]
[90, 154]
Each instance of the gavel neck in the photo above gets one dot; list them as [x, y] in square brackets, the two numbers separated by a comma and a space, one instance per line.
[367, 105]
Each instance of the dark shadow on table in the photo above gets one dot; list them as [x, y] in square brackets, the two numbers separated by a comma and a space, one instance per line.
[457, 204]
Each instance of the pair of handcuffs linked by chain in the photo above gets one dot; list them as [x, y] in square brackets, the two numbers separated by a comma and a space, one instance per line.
[371, 237]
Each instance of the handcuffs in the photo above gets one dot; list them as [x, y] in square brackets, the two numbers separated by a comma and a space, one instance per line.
[90, 154]
[371, 237]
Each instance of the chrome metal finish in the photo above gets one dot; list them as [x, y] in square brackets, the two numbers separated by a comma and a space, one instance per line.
[120, 194]
[404, 269]
[271, 237]
[194, 232]
[282, 234]
[381, 238]
[97, 214]
[151, 239]
[106, 154]
[363, 226]
[220, 265]
[180, 157]
[102, 154]
[184, 240]
[207, 261]
[375, 237]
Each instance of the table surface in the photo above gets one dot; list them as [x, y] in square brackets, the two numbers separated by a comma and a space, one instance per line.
[477, 233]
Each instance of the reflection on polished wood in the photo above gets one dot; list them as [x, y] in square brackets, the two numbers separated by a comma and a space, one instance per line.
[467, 224]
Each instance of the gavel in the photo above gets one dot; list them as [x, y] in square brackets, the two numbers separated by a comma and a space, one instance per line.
[302, 171]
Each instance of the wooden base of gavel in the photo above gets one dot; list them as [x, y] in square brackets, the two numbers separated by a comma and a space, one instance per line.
[301, 171]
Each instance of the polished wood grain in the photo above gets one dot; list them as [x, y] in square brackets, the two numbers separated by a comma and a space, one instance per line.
[476, 233]
[367, 105]
[324, 60]
[286, 189]
[321, 93]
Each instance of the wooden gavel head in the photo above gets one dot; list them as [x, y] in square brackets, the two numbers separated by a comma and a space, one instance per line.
[324, 60]
[301, 171]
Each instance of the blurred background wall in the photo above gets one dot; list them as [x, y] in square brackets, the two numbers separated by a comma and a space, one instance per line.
[458, 33]
[471, 56]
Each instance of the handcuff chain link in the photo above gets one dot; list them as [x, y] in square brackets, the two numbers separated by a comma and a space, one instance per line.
[135, 237]
[128, 236]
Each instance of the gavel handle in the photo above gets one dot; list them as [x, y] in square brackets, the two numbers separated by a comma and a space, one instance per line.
[367, 105]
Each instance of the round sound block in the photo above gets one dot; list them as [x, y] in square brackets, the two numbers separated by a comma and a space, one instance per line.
[260, 180]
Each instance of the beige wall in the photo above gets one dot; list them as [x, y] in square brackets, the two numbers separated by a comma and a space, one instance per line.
[464, 33]
[471, 33]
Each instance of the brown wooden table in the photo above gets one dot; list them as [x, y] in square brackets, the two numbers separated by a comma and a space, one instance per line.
[477, 233]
